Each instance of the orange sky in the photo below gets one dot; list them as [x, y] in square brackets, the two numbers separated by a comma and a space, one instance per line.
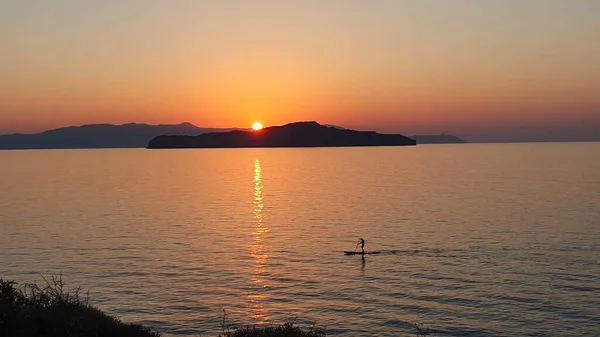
[395, 66]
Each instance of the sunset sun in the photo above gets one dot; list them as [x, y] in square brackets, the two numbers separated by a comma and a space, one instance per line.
[257, 126]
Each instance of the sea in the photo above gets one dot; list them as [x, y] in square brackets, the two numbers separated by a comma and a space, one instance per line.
[474, 239]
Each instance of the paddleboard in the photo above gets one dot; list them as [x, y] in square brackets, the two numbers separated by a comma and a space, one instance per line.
[360, 253]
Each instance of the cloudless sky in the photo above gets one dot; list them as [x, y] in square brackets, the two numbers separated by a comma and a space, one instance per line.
[473, 68]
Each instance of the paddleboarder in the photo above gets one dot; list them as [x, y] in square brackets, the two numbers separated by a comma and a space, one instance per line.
[361, 242]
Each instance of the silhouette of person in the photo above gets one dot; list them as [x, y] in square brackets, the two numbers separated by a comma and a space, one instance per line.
[362, 244]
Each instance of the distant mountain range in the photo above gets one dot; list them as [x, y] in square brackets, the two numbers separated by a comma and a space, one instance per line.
[300, 134]
[100, 136]
[135, 136]
[438, 139]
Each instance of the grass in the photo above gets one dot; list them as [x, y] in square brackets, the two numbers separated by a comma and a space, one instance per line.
[284, 330]
[421, 330]
[31, 310]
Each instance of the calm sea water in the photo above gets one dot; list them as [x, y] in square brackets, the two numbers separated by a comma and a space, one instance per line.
[476, 240]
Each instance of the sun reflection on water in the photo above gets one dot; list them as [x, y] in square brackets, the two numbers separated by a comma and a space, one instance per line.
[259, 252]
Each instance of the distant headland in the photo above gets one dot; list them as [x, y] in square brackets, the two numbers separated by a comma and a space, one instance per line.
[299, 134]
[438, 139]
[94, 136]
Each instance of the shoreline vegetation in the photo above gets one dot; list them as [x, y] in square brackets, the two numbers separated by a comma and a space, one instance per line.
[31, 310]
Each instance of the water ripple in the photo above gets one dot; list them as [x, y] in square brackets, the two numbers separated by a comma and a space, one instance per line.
[502, 241]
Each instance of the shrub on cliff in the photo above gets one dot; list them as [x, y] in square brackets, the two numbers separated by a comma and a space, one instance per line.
[31, 310]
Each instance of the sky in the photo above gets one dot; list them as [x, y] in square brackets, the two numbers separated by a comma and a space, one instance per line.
[482, 70]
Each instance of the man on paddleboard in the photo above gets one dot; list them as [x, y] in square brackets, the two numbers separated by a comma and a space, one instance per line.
[361, 241]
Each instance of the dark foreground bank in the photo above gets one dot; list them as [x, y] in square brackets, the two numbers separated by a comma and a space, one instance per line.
[31, 310]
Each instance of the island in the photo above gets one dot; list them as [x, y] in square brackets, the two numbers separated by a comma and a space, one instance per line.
[299, 134]
[438, 139]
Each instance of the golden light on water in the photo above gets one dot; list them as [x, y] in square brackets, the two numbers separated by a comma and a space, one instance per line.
[258, 251]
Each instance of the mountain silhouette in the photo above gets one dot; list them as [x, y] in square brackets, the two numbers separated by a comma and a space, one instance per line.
[100, 136]
[299, 134]
[438, 139]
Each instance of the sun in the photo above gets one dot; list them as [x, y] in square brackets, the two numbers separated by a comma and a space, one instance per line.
[257, 126]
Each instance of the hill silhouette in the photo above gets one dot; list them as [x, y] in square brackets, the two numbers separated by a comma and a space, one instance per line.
[99, 136]
[300, 134]
[438, 139]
